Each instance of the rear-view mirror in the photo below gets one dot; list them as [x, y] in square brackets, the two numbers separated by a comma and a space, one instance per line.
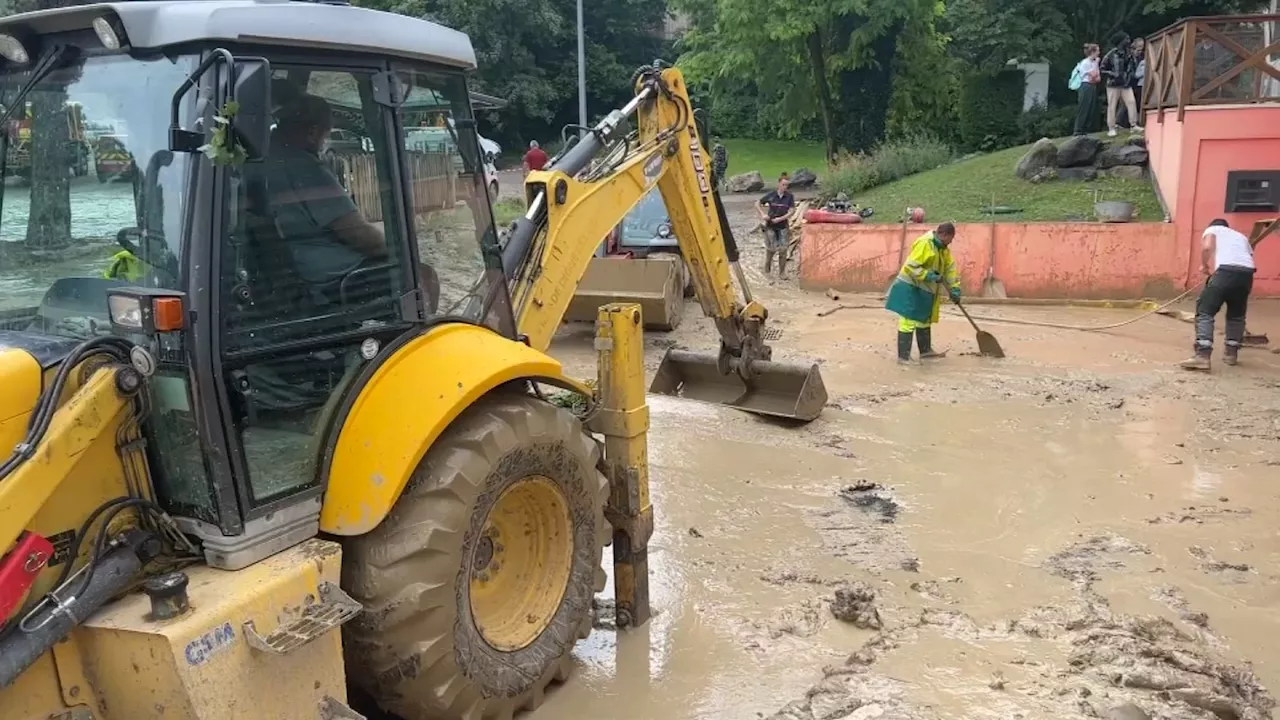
[252, 92]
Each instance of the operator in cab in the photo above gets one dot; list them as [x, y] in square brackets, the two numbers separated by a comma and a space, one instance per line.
[328, 237]
[928, 275]
[1226, 258]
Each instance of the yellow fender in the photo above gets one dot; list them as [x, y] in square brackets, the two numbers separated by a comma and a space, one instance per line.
[407, 403]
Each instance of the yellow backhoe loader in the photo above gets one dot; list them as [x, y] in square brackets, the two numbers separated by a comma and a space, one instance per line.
[303, 445]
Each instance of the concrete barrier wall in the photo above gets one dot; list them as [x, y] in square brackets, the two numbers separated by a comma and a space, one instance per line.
[1033, 260]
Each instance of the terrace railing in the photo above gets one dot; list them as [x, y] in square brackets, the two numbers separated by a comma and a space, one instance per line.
[1221, 60]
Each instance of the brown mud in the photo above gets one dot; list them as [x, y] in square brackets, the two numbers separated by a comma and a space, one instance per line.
[1079, 530]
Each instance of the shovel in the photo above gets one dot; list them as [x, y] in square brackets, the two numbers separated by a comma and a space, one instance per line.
[988, 346]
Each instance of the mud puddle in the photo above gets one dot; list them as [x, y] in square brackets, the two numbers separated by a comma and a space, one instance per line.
[1061, 572]
[729, 558]
[1033, 560]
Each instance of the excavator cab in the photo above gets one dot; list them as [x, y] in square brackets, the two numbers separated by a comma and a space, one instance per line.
[272, 418]
[267, 430]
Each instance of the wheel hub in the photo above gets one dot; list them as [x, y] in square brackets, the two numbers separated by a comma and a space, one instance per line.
[521, 564]
[484, 554]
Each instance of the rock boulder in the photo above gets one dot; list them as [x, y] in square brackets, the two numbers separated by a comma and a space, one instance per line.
[1042, 156]
[1126, 172]
[746, 182]
[1079, 151]
[1122, 155]
[803, 178]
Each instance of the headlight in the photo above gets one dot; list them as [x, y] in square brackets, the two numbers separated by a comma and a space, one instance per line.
[126, 312]
[664, 231]
[11, 49]
[106, 34]
[145, 311]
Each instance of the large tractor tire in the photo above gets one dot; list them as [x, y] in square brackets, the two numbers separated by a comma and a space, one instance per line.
[479, 582]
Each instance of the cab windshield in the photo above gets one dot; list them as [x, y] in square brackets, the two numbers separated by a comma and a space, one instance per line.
[91, 196]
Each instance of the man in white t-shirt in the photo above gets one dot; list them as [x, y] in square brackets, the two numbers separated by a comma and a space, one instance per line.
[1227, 258]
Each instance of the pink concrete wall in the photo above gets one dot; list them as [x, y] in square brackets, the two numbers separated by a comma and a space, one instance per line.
[1046, 260]
[1191, 159]
[1164, 143]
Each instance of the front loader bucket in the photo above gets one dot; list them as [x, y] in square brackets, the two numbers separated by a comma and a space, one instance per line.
[655, 284]
[779, 389]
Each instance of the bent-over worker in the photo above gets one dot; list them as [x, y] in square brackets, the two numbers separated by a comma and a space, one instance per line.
[1227, 258]
[928, 274]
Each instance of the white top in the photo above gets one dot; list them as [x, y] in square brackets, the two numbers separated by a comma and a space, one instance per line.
[1232, 247]
[1086, 67]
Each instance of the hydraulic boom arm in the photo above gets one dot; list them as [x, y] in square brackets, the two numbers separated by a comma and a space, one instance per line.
[593, 185]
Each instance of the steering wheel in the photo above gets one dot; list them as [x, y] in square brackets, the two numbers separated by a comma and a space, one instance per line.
[365, 281]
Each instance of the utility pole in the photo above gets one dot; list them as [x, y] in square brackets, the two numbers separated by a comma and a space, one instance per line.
[582, 72]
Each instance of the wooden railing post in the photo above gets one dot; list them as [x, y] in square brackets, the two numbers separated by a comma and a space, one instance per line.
[1188, 67]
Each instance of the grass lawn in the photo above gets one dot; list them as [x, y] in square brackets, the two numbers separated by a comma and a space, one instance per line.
[507, 210]
[959, 191]
[774, 157]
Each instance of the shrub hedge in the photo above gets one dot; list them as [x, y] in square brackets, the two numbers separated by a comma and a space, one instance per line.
[891, 160]
[990, 109]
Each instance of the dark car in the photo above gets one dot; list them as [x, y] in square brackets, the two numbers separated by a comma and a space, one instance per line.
[645, 231]
[647, 228]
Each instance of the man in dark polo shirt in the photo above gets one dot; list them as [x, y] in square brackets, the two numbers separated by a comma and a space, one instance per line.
[327, 235]
[775, 210]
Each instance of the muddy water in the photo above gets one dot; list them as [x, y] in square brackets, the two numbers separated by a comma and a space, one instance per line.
[98, 211]
[999, 512]
[1078, 527]
[725, 617]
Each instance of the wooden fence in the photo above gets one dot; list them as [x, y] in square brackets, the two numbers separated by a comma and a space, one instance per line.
[1213, 61]
[433, 177]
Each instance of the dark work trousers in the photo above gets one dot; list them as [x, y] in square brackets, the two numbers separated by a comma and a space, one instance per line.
[1228, 285]
[1087, 118]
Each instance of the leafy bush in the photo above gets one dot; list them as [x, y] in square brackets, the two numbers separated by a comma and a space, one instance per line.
[1041, 121]
[892, 160]
[990, 105]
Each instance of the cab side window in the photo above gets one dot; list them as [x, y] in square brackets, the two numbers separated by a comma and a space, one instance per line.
[311, 251]
[314, 263]
[449, 201]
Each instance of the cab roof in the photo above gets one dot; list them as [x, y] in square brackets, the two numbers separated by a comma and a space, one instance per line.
[156, 24]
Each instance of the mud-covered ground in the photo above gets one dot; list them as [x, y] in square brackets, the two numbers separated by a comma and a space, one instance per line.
[1079, 530]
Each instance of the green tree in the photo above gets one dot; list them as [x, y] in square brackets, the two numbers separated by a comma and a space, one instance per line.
[829, 60]
[986, 34]
[49, 219]
[925, 82]
[527, 53]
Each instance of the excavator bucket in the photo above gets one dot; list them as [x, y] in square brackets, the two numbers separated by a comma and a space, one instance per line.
[654, 283]
[779, 389]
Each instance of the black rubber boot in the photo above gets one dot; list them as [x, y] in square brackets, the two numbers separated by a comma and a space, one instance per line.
[904, 347]
[924, 338]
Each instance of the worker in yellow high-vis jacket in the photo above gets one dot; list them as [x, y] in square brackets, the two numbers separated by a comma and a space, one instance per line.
[928, 275]
[124, 265]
